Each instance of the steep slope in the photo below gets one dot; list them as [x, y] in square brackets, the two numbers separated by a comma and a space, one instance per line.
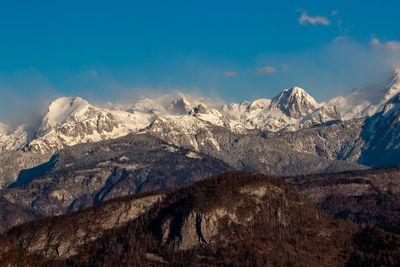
[368, 101]
[87, 174]
[324, 115]
[382, 133]
[230, 219]
[13, 162]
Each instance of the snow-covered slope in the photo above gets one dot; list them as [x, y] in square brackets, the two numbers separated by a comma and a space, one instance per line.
[70, 121]
[321, 116]
[368, 101]
[215, 117]
[382, 134]
[12, 139]
[284, 112]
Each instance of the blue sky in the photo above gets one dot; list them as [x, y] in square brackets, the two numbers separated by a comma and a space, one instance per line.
[235, 50]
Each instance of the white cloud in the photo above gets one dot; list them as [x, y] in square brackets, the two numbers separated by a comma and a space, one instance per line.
[389, 45]
[285, 67]
[266, 70]
[230, 73]
[306, 19]
[334, 12]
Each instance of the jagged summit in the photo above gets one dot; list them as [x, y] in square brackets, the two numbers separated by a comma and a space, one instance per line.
[294, 102]
[199, 109]
[180, 105]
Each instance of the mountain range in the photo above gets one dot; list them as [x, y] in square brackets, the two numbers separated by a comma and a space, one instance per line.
[72, 120]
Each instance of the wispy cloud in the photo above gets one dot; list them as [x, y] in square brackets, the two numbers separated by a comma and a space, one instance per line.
[285, 67]
[342, 37]
[266, 70]
[334, 12]
[306, 19]
[389, 45]
[93, 73]
[259, 71]
[230, 73]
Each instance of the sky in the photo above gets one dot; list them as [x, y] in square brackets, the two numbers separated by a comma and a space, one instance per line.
[234, 50]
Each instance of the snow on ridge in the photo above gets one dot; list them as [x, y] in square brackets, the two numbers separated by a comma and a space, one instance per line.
[61, 108]
[281, 113]
[72, 120]
[368, 101]
[12, 139]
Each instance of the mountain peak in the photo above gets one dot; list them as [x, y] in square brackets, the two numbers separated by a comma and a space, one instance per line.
[295, 102]
[296, 90]
[64, 107]
[180, 105]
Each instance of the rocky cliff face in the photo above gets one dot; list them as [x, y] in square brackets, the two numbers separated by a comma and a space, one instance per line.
[85, 227]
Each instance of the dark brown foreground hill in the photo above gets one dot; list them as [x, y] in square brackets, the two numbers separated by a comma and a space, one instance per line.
[232, 219]
[364, 197]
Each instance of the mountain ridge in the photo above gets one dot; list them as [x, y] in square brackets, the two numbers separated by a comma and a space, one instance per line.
[73, 120]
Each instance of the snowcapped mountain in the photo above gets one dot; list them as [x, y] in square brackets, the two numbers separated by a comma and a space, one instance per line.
[72, 120]
[294, 103]
[368, 101]
[285, 112]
